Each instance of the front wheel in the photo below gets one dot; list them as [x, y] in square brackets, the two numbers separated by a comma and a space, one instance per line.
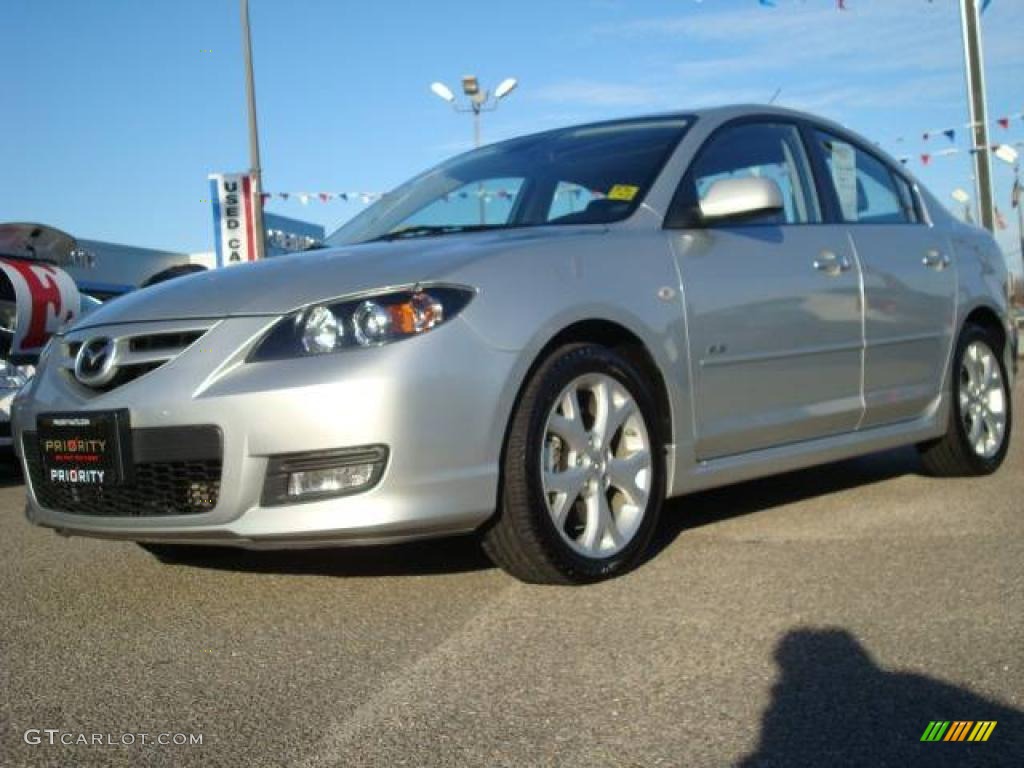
[978, 434]
[582, 472]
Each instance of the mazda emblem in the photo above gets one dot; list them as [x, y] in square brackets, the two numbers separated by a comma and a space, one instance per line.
[96, 362]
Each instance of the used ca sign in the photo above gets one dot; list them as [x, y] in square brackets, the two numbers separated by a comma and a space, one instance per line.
[231, 195]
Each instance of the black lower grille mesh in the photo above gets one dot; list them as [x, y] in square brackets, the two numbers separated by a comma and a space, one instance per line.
[159, 488]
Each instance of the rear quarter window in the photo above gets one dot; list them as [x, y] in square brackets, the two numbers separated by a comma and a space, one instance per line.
[866, 188]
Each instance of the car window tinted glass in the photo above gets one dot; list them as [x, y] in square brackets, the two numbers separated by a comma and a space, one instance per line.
[569, 199]
[530, 181]
[488, 201]
[769, 151]
[864, 186]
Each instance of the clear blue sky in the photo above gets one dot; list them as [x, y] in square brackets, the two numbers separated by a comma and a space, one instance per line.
[115, 113]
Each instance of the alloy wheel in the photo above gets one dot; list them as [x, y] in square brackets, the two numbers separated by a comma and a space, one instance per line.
[982, 400]
[596, 465]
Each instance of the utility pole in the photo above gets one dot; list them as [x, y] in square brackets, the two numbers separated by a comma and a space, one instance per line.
[1018, 203]
[970, 22]
[259, 247]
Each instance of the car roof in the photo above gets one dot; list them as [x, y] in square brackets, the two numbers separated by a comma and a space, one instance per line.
[717, 114]
[726, 112]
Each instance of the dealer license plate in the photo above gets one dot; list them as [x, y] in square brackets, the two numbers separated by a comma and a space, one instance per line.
[85, 449]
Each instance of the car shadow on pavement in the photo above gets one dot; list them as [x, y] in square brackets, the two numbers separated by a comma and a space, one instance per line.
[463, 554]
[460, 554]
[833, 705]
[706, 507]
[10, 470]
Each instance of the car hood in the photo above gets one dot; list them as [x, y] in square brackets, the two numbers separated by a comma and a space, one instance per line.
[281, 284]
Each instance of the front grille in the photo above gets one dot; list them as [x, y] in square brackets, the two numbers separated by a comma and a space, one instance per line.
[164, 341]
[137, 354]
[166, 481]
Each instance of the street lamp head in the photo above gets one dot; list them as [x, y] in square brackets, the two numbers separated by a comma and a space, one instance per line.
[470, 85]
[1007, 154]
[505, 87]
[443, 91]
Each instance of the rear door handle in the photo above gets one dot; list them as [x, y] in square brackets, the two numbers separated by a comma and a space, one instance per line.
[935, 259]
[831, 264]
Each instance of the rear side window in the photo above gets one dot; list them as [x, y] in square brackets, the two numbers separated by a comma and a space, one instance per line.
[767, 150]
[867, 190]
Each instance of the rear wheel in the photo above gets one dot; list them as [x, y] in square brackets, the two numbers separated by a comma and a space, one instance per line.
[978, 433]
[582, 473]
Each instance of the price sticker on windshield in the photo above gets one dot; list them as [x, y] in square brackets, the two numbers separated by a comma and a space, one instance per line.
[623, 192]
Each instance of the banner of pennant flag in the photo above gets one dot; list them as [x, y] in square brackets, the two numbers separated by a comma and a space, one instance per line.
[951, 135]
[323, 197]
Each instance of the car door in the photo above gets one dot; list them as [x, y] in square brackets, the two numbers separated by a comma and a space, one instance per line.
[909, 281]
[772, 303]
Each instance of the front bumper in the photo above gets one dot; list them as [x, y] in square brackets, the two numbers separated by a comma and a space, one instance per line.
[434, 401]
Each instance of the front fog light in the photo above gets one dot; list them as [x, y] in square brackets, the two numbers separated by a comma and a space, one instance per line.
[296, 477]
[321, 481]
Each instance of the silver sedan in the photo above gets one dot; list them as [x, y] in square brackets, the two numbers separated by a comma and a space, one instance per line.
[538, 341]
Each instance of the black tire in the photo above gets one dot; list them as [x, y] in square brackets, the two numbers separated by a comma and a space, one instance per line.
[522, 539]
[952, 454]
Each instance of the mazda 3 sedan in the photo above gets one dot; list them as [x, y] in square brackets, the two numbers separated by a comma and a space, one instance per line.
[538, 341]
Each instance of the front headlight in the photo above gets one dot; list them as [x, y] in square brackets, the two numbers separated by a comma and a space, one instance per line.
[365, 322]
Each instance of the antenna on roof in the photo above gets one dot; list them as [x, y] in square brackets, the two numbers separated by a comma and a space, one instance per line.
[775, 95]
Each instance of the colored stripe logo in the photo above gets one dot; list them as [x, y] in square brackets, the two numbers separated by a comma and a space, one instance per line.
[958, 730]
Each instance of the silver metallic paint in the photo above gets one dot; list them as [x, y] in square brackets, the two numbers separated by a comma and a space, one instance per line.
[725, 331]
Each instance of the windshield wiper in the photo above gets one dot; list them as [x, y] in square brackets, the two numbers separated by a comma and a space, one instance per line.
[429, 230]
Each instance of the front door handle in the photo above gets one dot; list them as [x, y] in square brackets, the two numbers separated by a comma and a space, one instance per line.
[831, 264]
[935, 259]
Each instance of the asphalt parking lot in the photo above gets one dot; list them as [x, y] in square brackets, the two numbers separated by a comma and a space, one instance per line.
[818, 618]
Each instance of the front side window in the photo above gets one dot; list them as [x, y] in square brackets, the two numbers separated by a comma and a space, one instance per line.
[865, 187]
[570, 199]
[591, 174]
[767, 150]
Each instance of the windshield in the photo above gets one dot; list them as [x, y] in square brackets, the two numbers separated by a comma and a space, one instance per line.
[591, 174]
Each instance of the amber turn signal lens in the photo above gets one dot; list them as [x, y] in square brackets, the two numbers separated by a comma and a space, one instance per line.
[420, 313]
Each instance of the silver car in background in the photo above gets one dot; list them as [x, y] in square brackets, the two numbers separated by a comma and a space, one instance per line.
[538, 341]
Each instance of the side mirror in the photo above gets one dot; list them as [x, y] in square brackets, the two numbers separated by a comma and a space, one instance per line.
[737, 198]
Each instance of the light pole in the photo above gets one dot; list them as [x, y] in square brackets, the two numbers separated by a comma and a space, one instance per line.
[970, 22]
[477, 99]
[254, 140]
